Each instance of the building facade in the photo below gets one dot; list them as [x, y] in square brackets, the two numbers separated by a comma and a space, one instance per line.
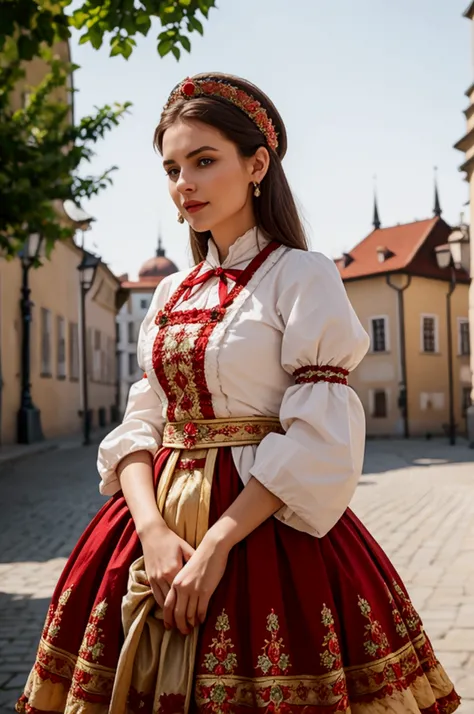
[132, 314]
[400, 295]
[55, 364]
[466, 145]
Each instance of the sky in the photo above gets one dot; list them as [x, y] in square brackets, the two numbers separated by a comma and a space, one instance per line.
[367, 88]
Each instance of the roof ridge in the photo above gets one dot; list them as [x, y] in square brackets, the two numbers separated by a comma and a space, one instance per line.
[420, 243]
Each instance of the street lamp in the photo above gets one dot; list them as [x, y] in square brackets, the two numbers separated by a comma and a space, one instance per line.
[87, 269]
[29, 420]
[452, 255]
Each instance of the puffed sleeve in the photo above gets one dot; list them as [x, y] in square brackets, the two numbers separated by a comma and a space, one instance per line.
[314, 467]
[143, 421]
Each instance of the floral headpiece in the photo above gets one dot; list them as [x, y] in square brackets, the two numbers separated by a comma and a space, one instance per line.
[191, 88]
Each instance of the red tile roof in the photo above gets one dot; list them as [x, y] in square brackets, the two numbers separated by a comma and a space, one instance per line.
[147, 284]
[409, 249]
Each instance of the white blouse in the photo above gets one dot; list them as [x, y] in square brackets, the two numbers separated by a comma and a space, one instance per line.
[294, 312]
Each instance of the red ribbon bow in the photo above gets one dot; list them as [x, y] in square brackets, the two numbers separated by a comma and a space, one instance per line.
[221, 273]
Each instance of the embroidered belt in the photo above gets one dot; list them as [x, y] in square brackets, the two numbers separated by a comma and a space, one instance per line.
[212, 433]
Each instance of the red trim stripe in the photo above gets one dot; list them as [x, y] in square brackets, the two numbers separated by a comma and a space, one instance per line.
[312, 374]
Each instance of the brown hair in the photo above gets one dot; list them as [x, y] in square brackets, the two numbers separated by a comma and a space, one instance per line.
[275, 210]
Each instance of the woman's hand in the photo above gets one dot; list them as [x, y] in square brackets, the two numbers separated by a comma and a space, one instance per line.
[188, 599]
[165, 554]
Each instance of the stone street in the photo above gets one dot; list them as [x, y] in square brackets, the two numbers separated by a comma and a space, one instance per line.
[417, 498]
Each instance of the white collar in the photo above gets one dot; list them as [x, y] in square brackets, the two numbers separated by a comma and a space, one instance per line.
[242, 249]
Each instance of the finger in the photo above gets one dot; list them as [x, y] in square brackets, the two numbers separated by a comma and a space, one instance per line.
[202, 609]
[187, 550]
[158, 594]
[168, 609]
[191, 611]
[164, 587]
[180, 610]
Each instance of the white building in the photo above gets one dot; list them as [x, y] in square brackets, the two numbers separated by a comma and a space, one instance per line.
[131, 316]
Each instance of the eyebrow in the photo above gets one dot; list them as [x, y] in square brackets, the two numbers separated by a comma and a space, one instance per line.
[191, 154]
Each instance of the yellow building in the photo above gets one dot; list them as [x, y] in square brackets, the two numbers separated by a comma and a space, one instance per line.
[400, 295]
[466, 145]
[55, 365]
[55, 350]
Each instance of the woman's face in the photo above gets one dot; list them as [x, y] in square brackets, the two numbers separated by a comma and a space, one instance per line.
[209, 180]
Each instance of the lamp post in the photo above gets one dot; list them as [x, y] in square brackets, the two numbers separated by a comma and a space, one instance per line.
[29, 421]
[87, 270]
[452, 255]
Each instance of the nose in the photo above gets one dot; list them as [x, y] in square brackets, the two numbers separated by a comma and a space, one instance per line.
[184, 185]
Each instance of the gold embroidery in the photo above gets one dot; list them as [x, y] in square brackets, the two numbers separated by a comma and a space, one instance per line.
[397, 618]
[220, 661]
[205, 433]
[410, 615]
[92, 646]
[331, 656]
[378, 678]
[273, 660]
[178, 352]
[320, 373]
[53, 627]
[376, 643]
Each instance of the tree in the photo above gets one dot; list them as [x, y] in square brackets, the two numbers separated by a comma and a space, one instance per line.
[40, 149]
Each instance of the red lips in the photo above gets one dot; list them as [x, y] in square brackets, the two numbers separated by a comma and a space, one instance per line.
[193, 204]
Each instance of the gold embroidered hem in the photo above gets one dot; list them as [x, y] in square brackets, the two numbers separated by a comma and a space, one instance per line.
[213, 433]
[62, 682]
[368, 689]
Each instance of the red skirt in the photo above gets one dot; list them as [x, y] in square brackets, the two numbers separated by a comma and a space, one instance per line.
[297, 623]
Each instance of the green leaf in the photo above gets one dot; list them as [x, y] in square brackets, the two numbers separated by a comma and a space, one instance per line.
[185, 43]
[176, 51]
[143, 24]
[196, 24]
[184, 3]
[79, 19]
[95, 36]
[204, 8]
[164, 47]
[27, 47]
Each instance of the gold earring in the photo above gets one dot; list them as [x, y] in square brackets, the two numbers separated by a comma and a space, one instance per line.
[180, 218]
[256, 189]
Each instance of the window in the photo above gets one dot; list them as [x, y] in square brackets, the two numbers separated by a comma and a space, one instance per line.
[143, 304]
[117, 331]
[61, 327]
[131, 333]
[73, 350]
[46, 321]
[379, 333]
[89, 352]
[132, 364]
[111, 361]
[380, 404]
[466, 400]
[464, 345]
[97, 357]
[429, 334]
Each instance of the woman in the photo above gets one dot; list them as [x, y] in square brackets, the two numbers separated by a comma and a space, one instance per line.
[227, 573]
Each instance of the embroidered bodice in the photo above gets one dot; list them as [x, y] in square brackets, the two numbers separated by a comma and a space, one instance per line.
[269, 332]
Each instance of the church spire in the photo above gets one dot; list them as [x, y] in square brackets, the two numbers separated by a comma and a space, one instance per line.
[160, 251]
[437, 211]
[376, 221]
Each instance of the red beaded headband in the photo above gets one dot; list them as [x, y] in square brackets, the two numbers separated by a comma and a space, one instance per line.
[191, 88]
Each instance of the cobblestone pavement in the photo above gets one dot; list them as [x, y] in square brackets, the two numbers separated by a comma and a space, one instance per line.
[417, 498]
